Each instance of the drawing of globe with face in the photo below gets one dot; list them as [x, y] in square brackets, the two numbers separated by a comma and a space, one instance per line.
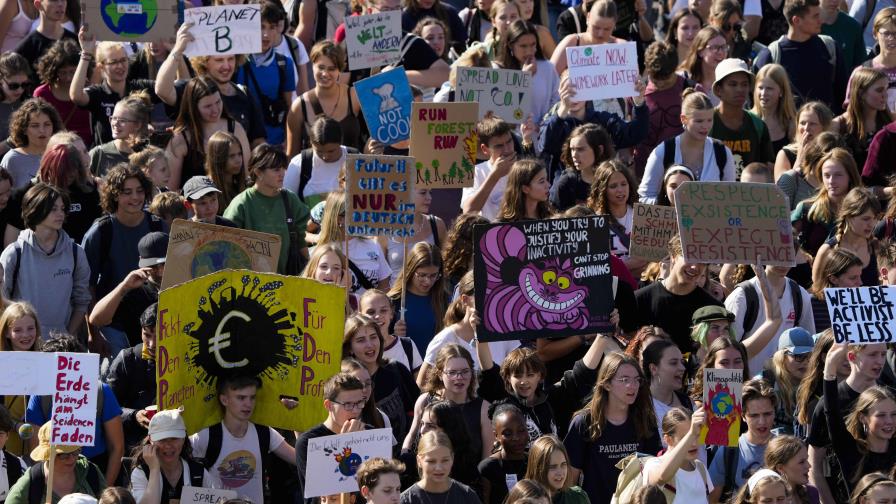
[130, 19]
[218, 255]
[722, 404]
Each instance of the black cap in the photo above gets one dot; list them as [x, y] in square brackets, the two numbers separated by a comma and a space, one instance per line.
[152, 248]
[148, 317]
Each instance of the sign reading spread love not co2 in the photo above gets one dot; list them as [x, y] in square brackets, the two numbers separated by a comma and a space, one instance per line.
[603, 71]
[505, 93]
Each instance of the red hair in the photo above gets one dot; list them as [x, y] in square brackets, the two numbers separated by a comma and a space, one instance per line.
[58, 164]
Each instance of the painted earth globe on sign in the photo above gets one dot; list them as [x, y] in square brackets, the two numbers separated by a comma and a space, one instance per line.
[722, 404]
[219, 255]
[129, 19]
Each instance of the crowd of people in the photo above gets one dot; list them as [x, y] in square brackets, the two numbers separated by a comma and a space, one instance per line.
[108, 143]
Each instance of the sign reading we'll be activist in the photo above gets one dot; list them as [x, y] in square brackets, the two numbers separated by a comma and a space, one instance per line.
[379, 197]
[734, 222]
[603, 71]
[505, 93]
[863, 315]
[224, 29]
[373, 40]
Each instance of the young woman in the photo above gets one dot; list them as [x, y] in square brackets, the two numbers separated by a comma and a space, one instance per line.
[508, 462]
[130, 127]
[693, 149]
[679, 465]
[613, 193]
[328, 97]
[377, 305]
[620, 413]
[327, 264]
[773, 103]
[201, 115]
[708, 50]
[458, 251]
[225, 165]
[789, 365]
[435, 33]
[428, 228]
[856, 218]
[526, 196]
[55, 69]
[19, 329]
[30, 128]
[810, 390]
[674, 177]
[549, 465]
[723, 353]
[840, 268]
[874, 488]
[866, 111]
[535, 12]
[370, 415]
[519, 50]
[14, 81]
[683, 30]
[435, 457]
[17, 22]
[793, 172]
[584, 150]
[789, 457]
[417, 10]
[460, 323]
[764, 487]
[664, 371]
[885, 61]
[314, 173]
[152, 161]
[444, 416]
[528, 492]
[601, 24]
[424, 293]
[476, 17]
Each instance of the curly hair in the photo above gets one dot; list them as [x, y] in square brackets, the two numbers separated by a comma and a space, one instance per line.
[18, 123]
[599, 199]
[433, 383]
[457, 255]
[660, 60]
[596, 137]
[63, 53]
[114, 184]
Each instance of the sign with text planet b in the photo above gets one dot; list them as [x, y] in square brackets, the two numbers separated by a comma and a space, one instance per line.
[734, 222]
[603, 71]
[863, 315]
[505, 93]
[224, 29]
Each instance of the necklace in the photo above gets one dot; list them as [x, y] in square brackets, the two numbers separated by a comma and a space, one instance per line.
[338, 98]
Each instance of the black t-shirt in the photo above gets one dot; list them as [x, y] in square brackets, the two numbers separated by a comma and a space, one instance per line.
[501, 474]
[818, 428]
[36, 44]
[101, 103]
[243, 108]
[566, 22]
[395, 393]
[132, 306]
[671, 312]
[84, 208]
[302, 455]
[569, 189]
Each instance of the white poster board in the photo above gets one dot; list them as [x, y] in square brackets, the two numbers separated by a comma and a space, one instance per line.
[373, 40]
[505, 93]
[863, 315]
[77, 383]
[333, 460]
[603, 71]
[198, 495]
[224, 29]
[27, 373]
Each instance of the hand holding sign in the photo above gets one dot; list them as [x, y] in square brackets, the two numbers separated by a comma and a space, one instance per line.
[87, 41]
[184, 38]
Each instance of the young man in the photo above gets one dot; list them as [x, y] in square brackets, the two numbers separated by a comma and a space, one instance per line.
[380, 480]
[732, 467]
[201, 200]
[11, 467]
[663, 99]
[812, 61]
[343, 400]
[235, 437]
[865, 365]
[844, 29]
[49, 30]
[670, 303]
[490, 177]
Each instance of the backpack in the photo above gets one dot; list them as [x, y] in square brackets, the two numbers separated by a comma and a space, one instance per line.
[15, 271]
[293, 46]
[273, 110]
[105, 228]
[14, 468]
[869, 13]
[730, 456]
[775, 49]
[631, 479]
[752, 296]
[197, 471]
[216, 437]
[306, 167]
[717, 146]
[38, 483]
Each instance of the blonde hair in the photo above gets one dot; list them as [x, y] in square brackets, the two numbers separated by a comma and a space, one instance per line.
[694, 101]
[330, 230]
[433, 440]
[318, 253]
[857, 428]
[786, 112]
[12, 314]
[745, 495]
[821, 208]
[540, 454]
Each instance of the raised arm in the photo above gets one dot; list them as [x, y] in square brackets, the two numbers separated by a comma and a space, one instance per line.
[77, 89]
[168, 71]
[671, 461]
[773, 318]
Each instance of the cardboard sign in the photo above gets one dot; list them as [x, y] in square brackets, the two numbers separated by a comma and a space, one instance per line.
[722, 393]
[652, 228]
[198, 495]
[863, 315]
[76, 377]
[734, 222]
[506, 93]
[333, 460]
[224, 29]
[27, 373]
[603, 71]
[196, 249]
[285, 330]
[379, 195]
[132, 20]
[536, 279]
[386, 102]
[373, 40]
[444, 142]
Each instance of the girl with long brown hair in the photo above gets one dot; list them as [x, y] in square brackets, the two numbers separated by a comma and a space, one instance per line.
[707, 51]
[840, 268]
[866, 111]
[526, 196]
[549, 465]
[421, 288]
[225, 165]
[583, 151]
[614, 194]
[789, 457]
[856, 219]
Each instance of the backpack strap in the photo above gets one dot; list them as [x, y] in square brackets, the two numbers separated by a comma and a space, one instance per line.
[213, 450]
[797, 298]
[702, 469]
[93, 479]
[293, 46]
[362, 278]
[264, 439]
[575, 19]
[306, 166]
[15, 271]
[721, 157]
[831, 45]
[668, 153]
[752, 298]
[774, 50]
[869, 13]
[104, 228]
[435, 229]
[758, 124]
[730, 455]
[14, 468]
[407, 346]
[196, 473]
[37, 483]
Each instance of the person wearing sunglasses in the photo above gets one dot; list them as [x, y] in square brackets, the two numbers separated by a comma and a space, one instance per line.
[14, 84]
[789, 364]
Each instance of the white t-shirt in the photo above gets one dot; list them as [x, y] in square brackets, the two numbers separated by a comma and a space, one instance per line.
[446, 336]
[238, 464]
[627, 221]
[396, 352]
[324, 176]
[751, 7]
[4, 480]
[690, 486]
[302, 54]
[368, 256]
[493, 204]
[139, 480]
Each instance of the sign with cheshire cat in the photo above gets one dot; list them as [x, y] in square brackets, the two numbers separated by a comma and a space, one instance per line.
[545, 278]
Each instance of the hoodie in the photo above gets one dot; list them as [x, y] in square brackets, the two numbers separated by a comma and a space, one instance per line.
[48, 281]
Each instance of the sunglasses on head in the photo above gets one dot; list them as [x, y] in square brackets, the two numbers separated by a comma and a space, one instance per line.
[727, 27]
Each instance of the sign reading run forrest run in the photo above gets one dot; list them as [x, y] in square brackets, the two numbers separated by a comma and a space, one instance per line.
[542, 278]
[734, 222]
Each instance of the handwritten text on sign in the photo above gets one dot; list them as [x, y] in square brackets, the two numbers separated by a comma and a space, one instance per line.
[373, 40]
[506, 93]
[863, 315]
[444, 142]
[386, 102]
[74, 400]
[722, 393]
[333, 460]
[603, 71]
[734, 222]
[652, 228]
[224, 29]
[379, 196]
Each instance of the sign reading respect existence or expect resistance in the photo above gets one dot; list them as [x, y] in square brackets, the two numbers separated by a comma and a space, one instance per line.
[734, 222]
[224, 29]
[862, 315]
[652, 228]
[373, 40]
[603, 71]
[542, 278]
[505, 93]
[285, 330]
[379, 193]
[444, 142]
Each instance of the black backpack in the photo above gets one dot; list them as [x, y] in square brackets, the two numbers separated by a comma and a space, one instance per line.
[14, 468]
[717, 147]
[105, 230]
[216, 437]
[38, 483]
[197, 473]
[752, 296]
[306, 167]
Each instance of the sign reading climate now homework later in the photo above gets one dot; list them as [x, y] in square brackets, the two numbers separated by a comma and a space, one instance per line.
[603, 71]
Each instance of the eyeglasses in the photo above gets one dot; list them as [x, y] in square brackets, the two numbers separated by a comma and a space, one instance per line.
[15, 86]
[351, 406]
[718, 48]
[727, 27]
[119, 61]
[368, 384]
[68, 456]
[626, 381]
[424, 276]
[884, 34]
[458, 373]
[121, 120]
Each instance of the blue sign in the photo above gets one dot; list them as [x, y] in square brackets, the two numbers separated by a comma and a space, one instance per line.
[386, 103]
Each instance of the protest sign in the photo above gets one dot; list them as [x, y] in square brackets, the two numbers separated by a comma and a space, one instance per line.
[373, 40]
[863, 315]
[224, 29]
[506, 93]
[77, 383]
[603, 71]
[734, 222]
[132, 20]
[542, 278]
[379, 195]
[196, 249]
[27, 373]
[386, 102]
[722, 393]
[652, 228]
[197, 495]
[332, 461]
[444, 141]
[285, 330]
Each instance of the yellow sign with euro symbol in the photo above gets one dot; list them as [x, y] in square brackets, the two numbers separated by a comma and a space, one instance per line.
[286, 331]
